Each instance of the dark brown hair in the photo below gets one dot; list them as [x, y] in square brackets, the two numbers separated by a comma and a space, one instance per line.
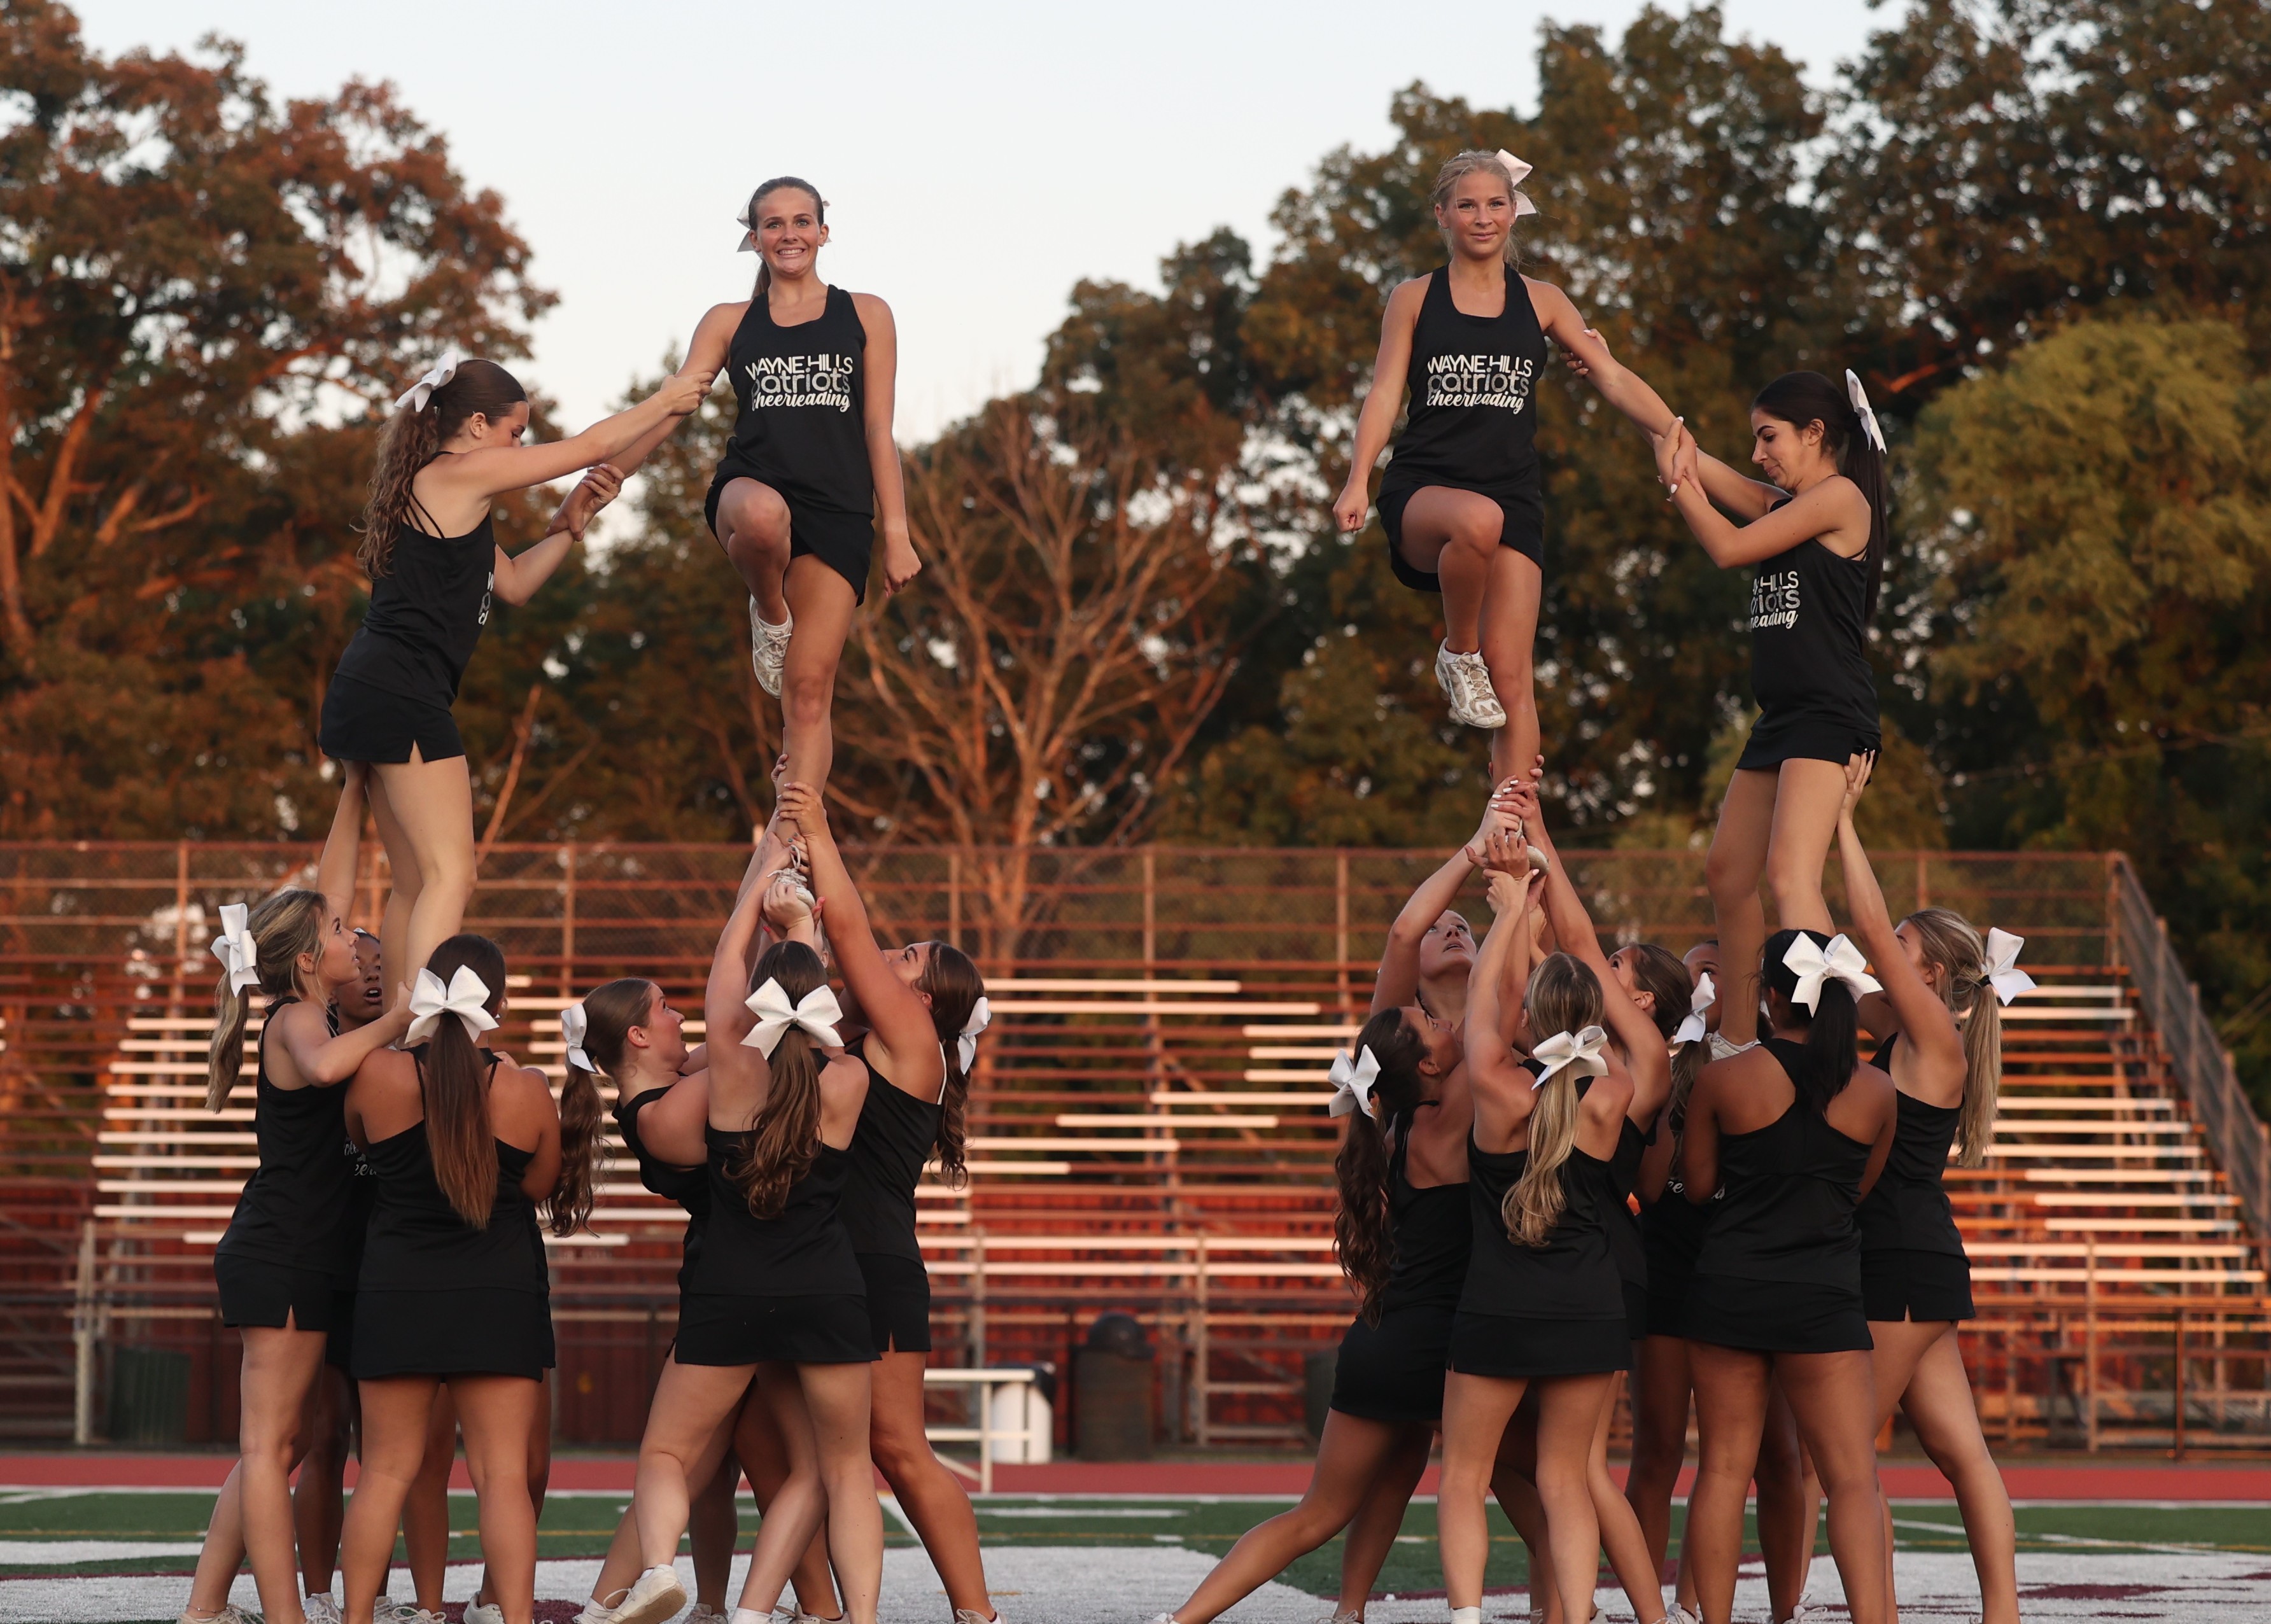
[1832, 1035]
[1801, 397]
[413, 439]
[1364, 1239]
[954, 986]
[1656, 971]
[282, 927]
[765, 190]
[453, 1083]
[784, 1140]
[609, 1013]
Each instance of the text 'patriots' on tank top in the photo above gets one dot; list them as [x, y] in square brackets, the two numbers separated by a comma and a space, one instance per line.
[1809, 636]
[1472, 422]
[801, 393]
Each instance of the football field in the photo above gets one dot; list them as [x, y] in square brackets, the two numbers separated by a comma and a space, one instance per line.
[114, 1555]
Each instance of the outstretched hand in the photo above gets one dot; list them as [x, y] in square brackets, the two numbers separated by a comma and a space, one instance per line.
[787, 904]
[1495, 819]
[800, 805]
[600, 485]
[1508, 893]
[1857, 769]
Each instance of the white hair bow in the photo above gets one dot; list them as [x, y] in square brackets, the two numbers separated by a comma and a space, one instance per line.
[418, 394]
[1814, 963]
[466, 997]
[981, 1016]
[1581, 1054]
[575, 1023]
[1860, 396]
[817, 1013]
[1352, 1083]
[748, 228]
[1699, 1002]
[2002, 966]
[235, 947]
[1517, 172]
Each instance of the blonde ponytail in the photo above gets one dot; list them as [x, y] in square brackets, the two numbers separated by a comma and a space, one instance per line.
[1534, 1205]
[1954, 944]
[282, 927]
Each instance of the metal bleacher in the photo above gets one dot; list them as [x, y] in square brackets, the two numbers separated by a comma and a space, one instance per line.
[1148, 1133]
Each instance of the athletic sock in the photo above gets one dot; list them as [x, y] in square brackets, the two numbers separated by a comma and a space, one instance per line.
[750, 1615]
[1466, 1615]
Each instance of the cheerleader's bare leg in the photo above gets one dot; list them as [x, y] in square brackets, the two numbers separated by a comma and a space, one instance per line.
[1509, 630]
[753, 527]
[1939, 1404]
[1379, 1519]
[1789, 1505]
[823, 602]
[497, 1414]
[764, 1454]
[1659, 1447]
[429, 807]
[1834, 1400]
[395, 1415]
[1807, 796]
[933, 1501]
[1731, 872]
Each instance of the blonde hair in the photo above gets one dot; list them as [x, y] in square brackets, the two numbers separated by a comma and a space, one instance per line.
[1474, 161]
[1564, 995]
[282, 927]
[1951, 941]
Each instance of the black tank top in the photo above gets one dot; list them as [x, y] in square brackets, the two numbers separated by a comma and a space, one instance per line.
[801, 426]
[297, 1205]
[1790, 1191]
[1908, 1209]
[418, 1242]
[1671, 1230]
[1620, 1176]
[894, 1139]
[1809, 637]
[425, 614]
[688, 1187]
[1572, 1276]
[1433, 1236]
[1472, 420]
[804, 1251]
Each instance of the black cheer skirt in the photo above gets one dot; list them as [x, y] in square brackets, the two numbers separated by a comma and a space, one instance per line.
[1394, 1371]
[1897, 1284]
[1776, 1316]
[821, 1329]
[474, 1331]
[1509, 1346]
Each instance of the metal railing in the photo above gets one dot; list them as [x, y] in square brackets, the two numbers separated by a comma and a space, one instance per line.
[2171, 999]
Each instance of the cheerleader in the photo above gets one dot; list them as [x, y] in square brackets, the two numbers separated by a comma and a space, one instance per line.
[1542, 1303]
[1815, 530]
[467, 1145]
[451, 450]
[278, 1267]
[1940, 1014]
[775, 1294]
[1463, 500]
[924, 1006]
[1400, 1233]
[811, 467]
[1795, 1130]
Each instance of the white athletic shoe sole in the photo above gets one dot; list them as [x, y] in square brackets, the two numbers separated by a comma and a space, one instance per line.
[1465, 682]
[657, 1596]
[768, 648]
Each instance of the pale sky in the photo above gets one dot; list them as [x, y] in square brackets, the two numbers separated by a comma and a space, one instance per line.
[978, 157]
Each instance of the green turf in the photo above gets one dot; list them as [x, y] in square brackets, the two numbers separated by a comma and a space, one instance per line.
[582, 1526]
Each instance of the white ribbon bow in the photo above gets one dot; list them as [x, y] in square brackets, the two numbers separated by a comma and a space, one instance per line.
[748, 228]
[418, 394]
[1352, 1083]
[1517, 172]
[1860, 396]
[235, 947]
[817, 1013]
[1699, 1003]
[981, 1016]
[2002, 966]
[1581, 1054]
[574, 1025]
[1840, 961]
[466, 997]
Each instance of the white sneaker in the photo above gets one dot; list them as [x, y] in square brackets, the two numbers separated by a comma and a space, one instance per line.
[971, 1615]
[657, 1596]
[484, 1613]
[1674, 1613]
[1466, 682]
[768, 647]
[704, 1613]
[320, 1610]
[387, 1612]
[593, 1613]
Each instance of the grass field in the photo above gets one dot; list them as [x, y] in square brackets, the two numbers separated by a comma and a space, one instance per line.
[145, 1542]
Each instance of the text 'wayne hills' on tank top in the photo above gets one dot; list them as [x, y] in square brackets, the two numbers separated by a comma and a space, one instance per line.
[425, 614]
[1809, 637]
[1471, 421]
[801, 426]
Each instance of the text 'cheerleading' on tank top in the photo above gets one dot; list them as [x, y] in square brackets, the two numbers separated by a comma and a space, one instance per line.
[688, 1187]
[801, 391]
[1473, 420]
[1572, 1276]
[1809, 636]
[296, 1206]
[1432, 1235]
[417, 1241]
[895, 1137]
[803, 1251]
[425, 614]
[1789, 1195]
[1908, 1209]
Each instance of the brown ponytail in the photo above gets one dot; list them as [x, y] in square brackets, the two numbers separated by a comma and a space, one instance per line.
[954, 986]
[784, 1140]
[1364, 1239]
[609, 1013]
[454, 1082]
[413, 439]
[1655, 971]
[1801, 397]
[282, 927]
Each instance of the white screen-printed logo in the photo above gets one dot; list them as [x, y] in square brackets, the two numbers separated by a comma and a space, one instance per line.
[1774, 599]
[1502, 381]
[818, 380]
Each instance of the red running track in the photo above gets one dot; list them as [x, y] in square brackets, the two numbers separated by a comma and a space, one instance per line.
[2100, 1479]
